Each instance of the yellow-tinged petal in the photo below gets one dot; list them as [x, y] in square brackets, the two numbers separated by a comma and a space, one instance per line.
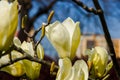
[59, 37]
[81, 70]
[75, 40]
[65, 66]
[74, 33]
[8, 22]
[103, 53]
[32, 69]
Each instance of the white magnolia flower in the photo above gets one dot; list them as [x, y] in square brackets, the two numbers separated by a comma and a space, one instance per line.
[79, 71]
[65, 37]
[98, 61]
[8, 22]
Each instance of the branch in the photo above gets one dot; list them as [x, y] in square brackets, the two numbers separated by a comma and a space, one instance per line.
[40, 12]
[92, 10]
[28, 57]
[107, 37]
[29, 24]
[13, 61]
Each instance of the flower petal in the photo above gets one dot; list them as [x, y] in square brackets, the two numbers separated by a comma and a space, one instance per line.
[81, 70]
[65, 66]
[28, 48]
[75, 40]
[69, 25]
[13, 17]
[59, 37]
[103, 53]
[9, 24]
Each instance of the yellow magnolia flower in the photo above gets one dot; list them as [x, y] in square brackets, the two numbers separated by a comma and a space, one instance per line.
[65, 37]
[98, 59]
[8, 22]
[79, 71]
[32, 69]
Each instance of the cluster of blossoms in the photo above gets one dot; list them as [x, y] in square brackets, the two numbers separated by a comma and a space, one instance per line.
[65, 37]
[8, 26]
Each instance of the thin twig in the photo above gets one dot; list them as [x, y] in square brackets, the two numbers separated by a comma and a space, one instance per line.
[85, 7]
[43, 28]
[13, 61]
[29, 25]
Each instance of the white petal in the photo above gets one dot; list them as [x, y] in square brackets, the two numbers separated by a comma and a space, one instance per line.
[28, 48]
[65, 66]
[70, 26]
[4, 14]
[4, 59]
[81, 69]
[103, 53]
[13, 17]
[59, 37]
[75, 40]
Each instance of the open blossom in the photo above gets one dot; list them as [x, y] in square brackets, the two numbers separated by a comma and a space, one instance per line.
[65, 37]
[98, 62]
[8, 22]
[79, 71]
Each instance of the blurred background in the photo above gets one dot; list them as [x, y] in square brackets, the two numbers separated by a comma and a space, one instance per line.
[91, 29]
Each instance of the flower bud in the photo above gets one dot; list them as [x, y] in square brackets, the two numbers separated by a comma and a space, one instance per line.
[98, 59]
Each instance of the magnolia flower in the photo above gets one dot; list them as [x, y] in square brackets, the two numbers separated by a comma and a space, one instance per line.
[98, 59]
[8, 22]
[65, 37]
[32, 69]
[79, 71]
